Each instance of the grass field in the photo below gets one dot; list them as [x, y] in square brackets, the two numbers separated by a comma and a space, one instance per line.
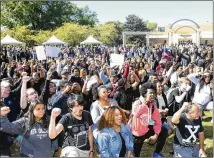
[208, 130]
[147, 150]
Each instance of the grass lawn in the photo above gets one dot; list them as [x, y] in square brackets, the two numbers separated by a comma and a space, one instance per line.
[208, 130]
[147, 150]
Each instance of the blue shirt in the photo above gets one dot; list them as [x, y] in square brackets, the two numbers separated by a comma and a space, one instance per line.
[110, 143]
[14, 108]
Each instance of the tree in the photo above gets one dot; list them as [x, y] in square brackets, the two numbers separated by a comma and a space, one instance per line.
[152, 26]
[21, 33]
[118, 40]
[135, 23]
[72, 33]
[107, 32]
[44, 15]
[86, 17]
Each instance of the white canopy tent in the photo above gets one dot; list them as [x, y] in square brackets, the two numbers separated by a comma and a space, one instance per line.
[91, 40]
[9, 40]
[54, 41]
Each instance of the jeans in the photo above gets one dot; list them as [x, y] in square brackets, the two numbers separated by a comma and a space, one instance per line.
[138, 141]
[182, 151]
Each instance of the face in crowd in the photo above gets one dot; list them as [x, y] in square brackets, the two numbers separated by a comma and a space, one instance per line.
[77, 109]
[194, 112]
[52, 88]
[76, 72]
[35, 77]
[150, 95]
[39, 111]
[103, 93]
[32, 95]
[5, 91]
[159, 88]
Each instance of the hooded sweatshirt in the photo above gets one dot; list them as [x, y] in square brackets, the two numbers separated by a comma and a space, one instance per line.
[142, 114]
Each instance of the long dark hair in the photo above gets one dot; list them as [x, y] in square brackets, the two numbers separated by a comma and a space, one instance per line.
[201, 83]
[30, 118]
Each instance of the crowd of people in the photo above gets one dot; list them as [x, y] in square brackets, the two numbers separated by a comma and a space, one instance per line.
[77, 103]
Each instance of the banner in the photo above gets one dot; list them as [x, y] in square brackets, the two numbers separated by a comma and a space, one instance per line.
[116, 59]
[52, 52]
[40, 52]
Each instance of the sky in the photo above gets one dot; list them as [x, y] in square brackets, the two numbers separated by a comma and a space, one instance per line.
[162, 12]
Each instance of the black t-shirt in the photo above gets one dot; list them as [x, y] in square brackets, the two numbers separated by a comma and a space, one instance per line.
[76, 131]
[123, 148]
[187, 131]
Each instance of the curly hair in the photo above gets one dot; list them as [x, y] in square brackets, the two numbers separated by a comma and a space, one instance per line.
[107, 119]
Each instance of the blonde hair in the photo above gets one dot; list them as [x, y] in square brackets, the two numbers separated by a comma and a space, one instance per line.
[185, 80]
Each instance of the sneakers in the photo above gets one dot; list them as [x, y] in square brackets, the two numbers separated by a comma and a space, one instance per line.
[157, 154]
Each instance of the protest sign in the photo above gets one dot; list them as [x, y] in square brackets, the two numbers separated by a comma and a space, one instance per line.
[52, 52]
[116, 59]
[40, 52]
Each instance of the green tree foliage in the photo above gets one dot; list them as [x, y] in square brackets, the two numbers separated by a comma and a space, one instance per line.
[72, 33]
[108, 33]
[41, 37]
[86, 17]
[135, 23]
[151, 25]
[118, 40]
[44, 15]
[21, 33]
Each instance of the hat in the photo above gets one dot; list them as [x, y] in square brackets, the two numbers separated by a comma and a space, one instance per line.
[5, 84]
[113, 74]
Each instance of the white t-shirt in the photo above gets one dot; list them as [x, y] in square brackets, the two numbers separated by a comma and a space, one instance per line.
[161, 102]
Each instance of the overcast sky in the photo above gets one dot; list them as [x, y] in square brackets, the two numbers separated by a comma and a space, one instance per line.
[162, 12]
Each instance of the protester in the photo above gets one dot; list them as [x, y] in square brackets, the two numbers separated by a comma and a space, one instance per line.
[78, 137]
[98, 107]
[146, 122]
[189, 128]
[34, 130]
[115, 138]
[179, 72]
[202, 95]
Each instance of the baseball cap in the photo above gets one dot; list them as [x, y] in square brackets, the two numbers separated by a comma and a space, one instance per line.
[5, 84]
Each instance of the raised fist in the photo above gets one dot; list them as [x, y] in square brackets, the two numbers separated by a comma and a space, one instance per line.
[26, 78]
[55, 112]
[5, 111]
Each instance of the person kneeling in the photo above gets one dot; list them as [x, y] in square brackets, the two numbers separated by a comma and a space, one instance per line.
[189, 128]
[78, 138]
[115, 138]
[146, 122]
